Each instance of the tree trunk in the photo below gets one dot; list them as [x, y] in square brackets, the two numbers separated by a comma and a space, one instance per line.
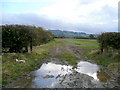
[26, 49]
[101, 50]
[31, 44]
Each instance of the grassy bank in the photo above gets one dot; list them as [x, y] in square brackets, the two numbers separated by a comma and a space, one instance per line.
[90, 48]
[12, 69]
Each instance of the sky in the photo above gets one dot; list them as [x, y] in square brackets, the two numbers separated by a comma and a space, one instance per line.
[90, 16]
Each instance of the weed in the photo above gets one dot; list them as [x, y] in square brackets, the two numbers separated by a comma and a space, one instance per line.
[70, 58]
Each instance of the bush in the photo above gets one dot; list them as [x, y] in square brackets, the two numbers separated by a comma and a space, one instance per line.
[91, 36]
[17, 38]
[109, 40]
[95, 52]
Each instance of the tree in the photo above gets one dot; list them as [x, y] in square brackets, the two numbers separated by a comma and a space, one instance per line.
[91, 36]
[109, 40]
[17, 38]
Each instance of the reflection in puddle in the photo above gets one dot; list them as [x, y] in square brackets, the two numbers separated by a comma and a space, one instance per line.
[49, 75]
[88, 68]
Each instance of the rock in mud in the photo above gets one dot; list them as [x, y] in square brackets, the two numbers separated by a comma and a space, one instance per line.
[77, 80]
[48, 76]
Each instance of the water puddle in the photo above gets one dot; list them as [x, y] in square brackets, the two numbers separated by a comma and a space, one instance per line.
[50, 74]
[88, 68]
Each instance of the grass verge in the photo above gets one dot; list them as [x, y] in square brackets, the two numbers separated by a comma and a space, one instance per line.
[12, 69]
[91, 50]
[71, 59]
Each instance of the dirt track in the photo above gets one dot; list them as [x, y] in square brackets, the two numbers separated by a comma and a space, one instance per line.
[75, 79]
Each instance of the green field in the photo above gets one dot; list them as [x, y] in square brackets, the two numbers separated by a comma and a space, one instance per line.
[59, 49]
[91, 50]
[86, 44]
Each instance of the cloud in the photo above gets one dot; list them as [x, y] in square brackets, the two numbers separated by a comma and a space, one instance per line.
[75, 11]
[47, 23]
[94, 16]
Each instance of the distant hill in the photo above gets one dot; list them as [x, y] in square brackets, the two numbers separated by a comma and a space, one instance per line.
[69, 33]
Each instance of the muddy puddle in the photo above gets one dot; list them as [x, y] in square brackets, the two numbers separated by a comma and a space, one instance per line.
[52, 75]
[88, 68]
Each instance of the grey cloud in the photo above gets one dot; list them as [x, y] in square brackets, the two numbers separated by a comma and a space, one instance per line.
[47, 23]
[106, 13]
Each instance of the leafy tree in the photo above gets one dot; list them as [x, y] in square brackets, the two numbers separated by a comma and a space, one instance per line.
[109, 40]
[17, 38]
[91, 36]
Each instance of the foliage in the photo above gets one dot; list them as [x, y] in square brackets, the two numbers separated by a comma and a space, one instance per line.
[17, 38]
[91, 36]
[109, 40]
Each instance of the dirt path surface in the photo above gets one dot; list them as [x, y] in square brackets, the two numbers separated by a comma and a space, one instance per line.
[66, 47]
[62, 54]
[78, 80]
